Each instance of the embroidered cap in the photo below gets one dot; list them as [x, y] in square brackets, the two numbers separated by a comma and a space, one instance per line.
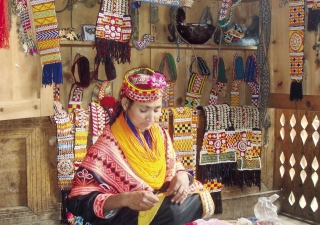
[143, 85]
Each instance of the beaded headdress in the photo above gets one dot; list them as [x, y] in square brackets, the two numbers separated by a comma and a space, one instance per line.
[143, 85]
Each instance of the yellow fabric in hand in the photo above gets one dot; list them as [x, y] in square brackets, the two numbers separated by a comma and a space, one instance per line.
[145, 217]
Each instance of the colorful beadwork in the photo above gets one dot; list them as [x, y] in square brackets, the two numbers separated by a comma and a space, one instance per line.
[219, 79]
[251, 78]
[237, 79]
[168, 68]
[146, 77]
[296, 47]
[185, 121]
[47, 35]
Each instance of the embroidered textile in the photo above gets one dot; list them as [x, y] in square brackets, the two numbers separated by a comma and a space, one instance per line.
[47, 35]
[296, 47]
[237, 79]
[117, 176]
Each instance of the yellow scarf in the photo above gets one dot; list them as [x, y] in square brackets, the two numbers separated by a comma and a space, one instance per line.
[148, 164]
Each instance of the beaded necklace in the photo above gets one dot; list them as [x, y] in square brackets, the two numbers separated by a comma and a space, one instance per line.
[148, 163]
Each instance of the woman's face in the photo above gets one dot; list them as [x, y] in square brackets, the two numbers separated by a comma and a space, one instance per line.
[143, 115]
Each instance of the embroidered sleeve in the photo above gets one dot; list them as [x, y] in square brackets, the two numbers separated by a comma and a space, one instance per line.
[98, 204]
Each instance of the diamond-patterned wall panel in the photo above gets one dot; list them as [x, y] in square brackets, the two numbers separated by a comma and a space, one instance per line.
[297, 167]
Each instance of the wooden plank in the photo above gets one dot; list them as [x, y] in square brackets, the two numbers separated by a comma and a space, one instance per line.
[19, 109]
[281, 101]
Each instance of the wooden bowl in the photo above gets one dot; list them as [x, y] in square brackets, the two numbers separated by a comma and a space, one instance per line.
[195, 33]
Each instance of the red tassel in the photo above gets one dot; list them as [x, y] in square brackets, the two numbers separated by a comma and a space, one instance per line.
[4, 25]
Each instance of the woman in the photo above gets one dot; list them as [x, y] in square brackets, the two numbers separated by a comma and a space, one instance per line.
[131, 174]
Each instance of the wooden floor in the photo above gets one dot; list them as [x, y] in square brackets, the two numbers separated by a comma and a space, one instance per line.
[283, 220]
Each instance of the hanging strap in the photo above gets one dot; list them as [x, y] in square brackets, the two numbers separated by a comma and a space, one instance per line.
[202, 67]
[168, 65]
[83, 70]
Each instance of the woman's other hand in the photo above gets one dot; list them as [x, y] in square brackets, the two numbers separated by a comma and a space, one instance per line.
[141, 200]
[179, 187]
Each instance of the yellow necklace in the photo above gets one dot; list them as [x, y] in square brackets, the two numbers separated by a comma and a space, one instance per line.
[148, 164]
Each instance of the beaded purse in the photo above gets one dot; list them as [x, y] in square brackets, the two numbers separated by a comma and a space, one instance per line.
[168, 65]
[196, 83]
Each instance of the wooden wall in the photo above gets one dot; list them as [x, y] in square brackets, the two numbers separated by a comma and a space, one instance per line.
[152, 55]
[279, 64]
[21, 93]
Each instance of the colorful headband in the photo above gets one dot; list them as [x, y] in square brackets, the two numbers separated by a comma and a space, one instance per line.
[143, 85]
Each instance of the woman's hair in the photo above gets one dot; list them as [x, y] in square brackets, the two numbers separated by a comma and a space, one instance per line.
[120, 108]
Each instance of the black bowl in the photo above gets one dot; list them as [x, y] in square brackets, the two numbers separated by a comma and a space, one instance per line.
[195, 33]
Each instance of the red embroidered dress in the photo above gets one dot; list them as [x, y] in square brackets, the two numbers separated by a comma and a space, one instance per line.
[105, 171]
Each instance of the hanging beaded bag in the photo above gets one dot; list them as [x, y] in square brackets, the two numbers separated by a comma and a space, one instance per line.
[251, 78]
[168, 66]
[219, 80]
[237, 79]
[196, 82]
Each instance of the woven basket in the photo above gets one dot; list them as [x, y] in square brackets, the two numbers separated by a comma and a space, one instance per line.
[195, 33]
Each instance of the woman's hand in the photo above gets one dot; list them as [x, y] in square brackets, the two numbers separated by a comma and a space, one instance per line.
[141, 200]
[179, 187]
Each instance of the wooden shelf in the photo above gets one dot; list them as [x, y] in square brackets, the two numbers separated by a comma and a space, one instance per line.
[165, 46]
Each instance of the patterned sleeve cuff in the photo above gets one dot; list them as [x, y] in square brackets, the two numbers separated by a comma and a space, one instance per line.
[99, 204]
